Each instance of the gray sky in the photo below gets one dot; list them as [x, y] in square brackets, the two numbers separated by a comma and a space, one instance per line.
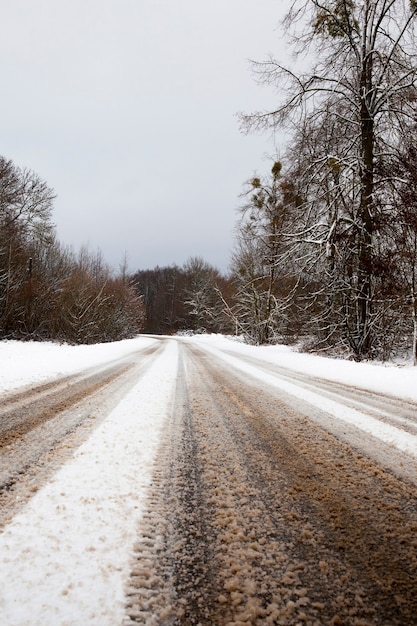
[127, 108]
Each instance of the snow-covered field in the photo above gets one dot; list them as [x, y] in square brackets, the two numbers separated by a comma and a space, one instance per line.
[65, 558]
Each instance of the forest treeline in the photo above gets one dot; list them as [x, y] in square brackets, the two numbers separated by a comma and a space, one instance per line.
[325, 250]
[48, 291]
[326, 245]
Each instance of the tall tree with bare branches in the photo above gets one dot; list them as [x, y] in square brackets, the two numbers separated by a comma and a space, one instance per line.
[361, 87]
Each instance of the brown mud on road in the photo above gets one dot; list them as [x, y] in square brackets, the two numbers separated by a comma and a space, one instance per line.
[261, 515]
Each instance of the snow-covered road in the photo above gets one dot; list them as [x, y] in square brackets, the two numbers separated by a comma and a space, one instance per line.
[211, 456]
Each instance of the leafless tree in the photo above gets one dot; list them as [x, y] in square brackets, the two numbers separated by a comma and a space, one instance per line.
[357, 92]
[47, 291]
[25, 218]
[261, 262]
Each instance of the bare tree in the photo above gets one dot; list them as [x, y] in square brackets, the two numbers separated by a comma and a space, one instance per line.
[261, 262]
[25, 218]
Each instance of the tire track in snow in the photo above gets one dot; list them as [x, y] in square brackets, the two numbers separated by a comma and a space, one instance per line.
[289, 525]
[65, 556]
[398, 435]
[40, 427]
[397, 412]
[171, 577]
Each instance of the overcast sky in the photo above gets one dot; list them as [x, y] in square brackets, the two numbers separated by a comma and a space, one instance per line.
[127, 108]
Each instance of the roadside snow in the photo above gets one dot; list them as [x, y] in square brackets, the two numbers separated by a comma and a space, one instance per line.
[65, 558]
[395, 380]
[26, 362]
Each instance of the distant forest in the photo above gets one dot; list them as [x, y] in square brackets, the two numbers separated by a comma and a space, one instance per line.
[195, 297]
[46, 290]
[325, 252]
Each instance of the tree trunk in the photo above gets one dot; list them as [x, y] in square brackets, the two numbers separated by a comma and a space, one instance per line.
[365, 220]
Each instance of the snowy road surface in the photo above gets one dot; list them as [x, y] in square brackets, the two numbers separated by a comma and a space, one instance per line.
[200, 481]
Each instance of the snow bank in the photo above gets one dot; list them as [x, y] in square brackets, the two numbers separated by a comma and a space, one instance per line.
[23, 363]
